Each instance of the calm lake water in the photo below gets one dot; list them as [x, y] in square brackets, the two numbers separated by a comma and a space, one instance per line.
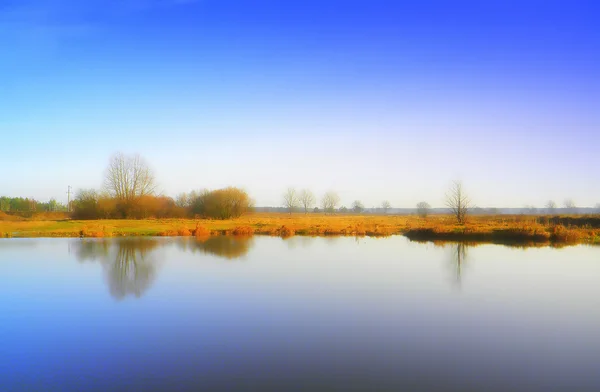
[146, 314]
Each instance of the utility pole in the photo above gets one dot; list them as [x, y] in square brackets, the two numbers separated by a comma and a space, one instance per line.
[69, 198]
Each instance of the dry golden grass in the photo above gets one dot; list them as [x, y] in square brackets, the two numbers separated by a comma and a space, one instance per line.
[503, 229]
[243, 230]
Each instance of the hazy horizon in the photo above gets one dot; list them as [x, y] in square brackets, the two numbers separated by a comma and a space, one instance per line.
[374, 100]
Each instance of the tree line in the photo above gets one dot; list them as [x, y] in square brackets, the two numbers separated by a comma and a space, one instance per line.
[29, 205]
[457, 202]
[305, 200]
[129, 191]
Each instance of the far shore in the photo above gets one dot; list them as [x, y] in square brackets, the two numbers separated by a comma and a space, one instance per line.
[515, 229]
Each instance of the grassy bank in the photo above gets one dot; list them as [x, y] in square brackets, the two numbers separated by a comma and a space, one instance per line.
[266, 224]
[497, 229]
[509, 230]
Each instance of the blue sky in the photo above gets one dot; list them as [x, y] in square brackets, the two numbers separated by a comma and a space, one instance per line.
[373, 99]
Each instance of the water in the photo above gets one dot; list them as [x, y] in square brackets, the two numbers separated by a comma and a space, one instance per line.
[296, 314]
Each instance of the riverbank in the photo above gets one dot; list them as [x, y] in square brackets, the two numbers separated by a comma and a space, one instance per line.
[495, 229]
[511, 230]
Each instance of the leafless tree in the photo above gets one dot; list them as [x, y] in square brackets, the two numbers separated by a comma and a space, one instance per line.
[385, 205]
[330, 201]
[570, 206]
[129, 177]
[423, 209]
[358, 206]
[307, 199]
[290, 199]
[183, 200]
[530, 209]
[550, 206]
[458, 202]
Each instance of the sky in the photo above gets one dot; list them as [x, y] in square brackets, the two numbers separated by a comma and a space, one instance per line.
[374, 99]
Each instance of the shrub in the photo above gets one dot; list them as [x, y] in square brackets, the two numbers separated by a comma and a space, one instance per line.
[89, 204]
[562, 234]
[221, 204]
[285, 231]
[243, 230]
[200, 231]
[184, 232]
[168, 233]
[85, 205]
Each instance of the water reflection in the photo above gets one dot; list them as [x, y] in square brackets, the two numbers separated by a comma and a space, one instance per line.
[228, 247]
[133, 269]
[129, 264]
[298, 241]
[459, 256]
[374, 317]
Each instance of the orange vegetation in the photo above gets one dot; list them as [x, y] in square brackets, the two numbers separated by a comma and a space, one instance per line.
[499, 229]
[505, 229]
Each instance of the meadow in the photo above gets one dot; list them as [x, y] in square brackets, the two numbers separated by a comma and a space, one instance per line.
[515, 229]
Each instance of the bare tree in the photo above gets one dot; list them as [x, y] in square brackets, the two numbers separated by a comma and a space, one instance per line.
[290, 199]
[307, 199]
[129, 177]
[183, 200]
[550, 206]
[423, 209]
[385, 205]
[570, 206]
[530, 209]
[330, 201]
[458, 202]
[358, 206]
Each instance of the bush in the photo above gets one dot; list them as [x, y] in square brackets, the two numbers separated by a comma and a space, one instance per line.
[85, 205]
[243, 230]
[562, 234]
[285, 231]
[221, 204]
[184, 232]
[200, 231]
[90, 205]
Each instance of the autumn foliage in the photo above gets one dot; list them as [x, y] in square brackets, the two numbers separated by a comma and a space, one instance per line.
[219, 204]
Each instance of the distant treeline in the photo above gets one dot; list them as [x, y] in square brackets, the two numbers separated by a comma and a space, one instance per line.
[129, 191]
[443, 211]
[27, 205]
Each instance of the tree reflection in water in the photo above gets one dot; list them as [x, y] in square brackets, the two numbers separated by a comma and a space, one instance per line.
[459, 256]
[133, 269]
[229, 247]
[302, 241]
[90, 250]
[129, 266]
